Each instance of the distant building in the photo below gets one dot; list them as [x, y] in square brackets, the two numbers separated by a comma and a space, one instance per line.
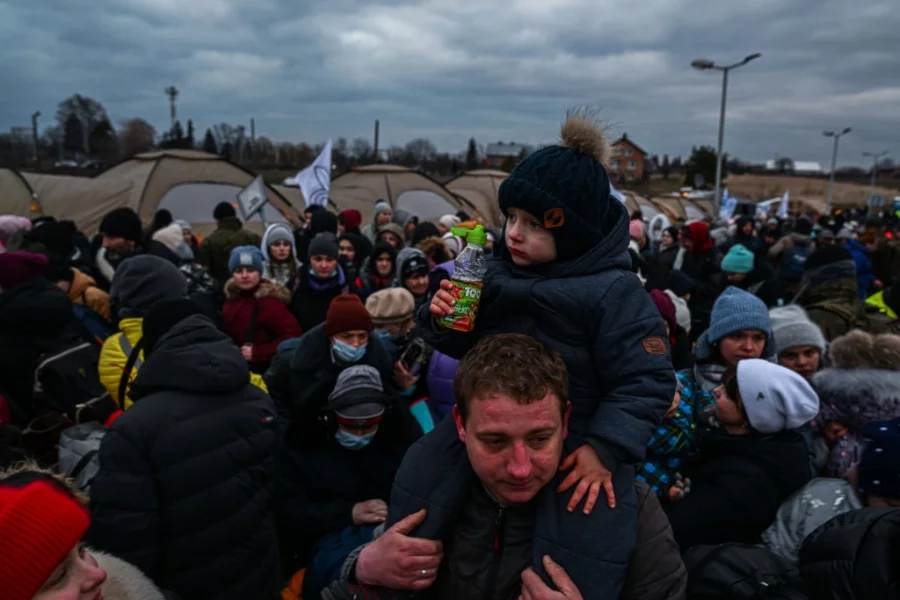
[797, 167]
[628, 160]
[497, 154]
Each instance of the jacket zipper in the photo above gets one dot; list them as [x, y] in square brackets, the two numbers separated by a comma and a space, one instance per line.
[499, 542]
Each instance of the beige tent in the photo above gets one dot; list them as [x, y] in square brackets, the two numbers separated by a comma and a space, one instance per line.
[211, 179]
[480, 188]
[361, 187]
[16, 195]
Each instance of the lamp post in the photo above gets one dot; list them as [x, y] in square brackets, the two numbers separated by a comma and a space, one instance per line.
[837, 138]
[34, 135]
[874, 156]
[704, 64]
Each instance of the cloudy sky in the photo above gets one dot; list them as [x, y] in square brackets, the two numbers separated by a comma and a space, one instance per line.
[452, 69]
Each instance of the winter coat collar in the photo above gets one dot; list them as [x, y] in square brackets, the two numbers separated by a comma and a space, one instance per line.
[835, 291]
[230, 224]
[194, 357]
[132, 327]
[266, 289]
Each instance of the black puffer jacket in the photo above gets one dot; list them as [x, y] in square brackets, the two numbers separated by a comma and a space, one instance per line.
[185, 485]
[854, 556]
[738, 485]
[35, 318]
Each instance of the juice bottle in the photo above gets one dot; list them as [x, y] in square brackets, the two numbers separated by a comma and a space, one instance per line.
[468, 279]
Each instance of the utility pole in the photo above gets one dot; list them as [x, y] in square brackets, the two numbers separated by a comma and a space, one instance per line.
[834, 151]
[377, 126]
[252, 129]
[34, 135]
[874, 156]
[172, 93]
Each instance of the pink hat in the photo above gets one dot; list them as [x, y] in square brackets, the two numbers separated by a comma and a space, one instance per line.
[636, 229]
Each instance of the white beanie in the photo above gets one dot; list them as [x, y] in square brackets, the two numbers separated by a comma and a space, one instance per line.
[454, 244]
[682, 312]
[449, 221]
[792, 327]
[775, 398]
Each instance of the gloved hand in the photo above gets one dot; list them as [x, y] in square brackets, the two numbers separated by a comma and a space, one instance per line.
[680, 488]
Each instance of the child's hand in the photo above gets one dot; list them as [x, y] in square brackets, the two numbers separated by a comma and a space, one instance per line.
[442, 303]
[590, 474]
[679, 489]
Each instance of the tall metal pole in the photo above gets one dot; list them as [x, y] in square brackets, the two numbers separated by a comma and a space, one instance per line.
[377, 127]
[875, 156]
[718, 202]
[34, 135]
[831, 176]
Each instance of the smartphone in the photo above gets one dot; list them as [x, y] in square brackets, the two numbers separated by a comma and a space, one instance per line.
[413, 356]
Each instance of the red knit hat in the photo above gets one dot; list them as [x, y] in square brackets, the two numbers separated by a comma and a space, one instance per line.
[39, 526]
[347, 313]
[19, 267]
[351, 218]
[666, 308]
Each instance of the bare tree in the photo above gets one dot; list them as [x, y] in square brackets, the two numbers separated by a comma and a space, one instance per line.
[136, 136]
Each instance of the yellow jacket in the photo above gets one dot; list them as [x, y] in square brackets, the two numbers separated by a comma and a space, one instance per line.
[877, 300]
[113, 359]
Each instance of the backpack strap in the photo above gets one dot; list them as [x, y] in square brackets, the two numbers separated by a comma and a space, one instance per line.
[82, 463]
[133, 360]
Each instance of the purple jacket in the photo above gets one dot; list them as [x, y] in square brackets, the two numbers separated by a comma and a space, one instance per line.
[441, 370]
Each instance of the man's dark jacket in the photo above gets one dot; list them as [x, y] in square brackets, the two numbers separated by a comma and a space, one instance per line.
[185, 486]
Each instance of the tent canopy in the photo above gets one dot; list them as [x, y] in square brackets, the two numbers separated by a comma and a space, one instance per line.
[361, 187]
[16, 195]
[480, 188]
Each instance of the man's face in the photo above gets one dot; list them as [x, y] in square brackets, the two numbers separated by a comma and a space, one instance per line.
[384, 218]
[118, 245]
[515, 449]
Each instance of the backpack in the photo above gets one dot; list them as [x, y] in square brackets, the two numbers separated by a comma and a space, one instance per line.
[67, 382]
[93, 322]
[741, 572]
[794, 260]
[79, 453]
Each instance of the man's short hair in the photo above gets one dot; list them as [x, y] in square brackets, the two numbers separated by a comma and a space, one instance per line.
[223, 210]
[512, 364]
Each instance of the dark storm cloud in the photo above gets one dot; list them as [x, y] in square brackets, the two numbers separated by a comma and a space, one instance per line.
[449, 69]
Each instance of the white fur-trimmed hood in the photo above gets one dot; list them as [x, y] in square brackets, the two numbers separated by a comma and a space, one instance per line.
[124, 581]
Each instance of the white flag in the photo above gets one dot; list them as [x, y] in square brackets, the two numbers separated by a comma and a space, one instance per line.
[252, 198]
[729, 204]
[783, 207]
[315, 180]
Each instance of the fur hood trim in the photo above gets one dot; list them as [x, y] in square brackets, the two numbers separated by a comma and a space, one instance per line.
[32, 467]
[842, 389]
[266, 289]
[861, 350]
[124, 581]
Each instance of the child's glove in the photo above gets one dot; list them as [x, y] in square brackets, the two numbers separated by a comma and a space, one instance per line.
[680, 488]
[591, 475]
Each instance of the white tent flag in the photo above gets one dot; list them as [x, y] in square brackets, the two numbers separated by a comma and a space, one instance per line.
[729, 204]
[783, 207]
[252, 198]
[315, 180]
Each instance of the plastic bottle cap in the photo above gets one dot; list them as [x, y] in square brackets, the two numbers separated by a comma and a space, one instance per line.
[476, 236]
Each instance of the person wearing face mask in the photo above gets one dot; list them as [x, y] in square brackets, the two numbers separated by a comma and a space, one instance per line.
[392, 313]
[333, 492]
[281, 264]
[255, 313]
[412, 274]
[42, 521]
[320, 282]
[304, 371]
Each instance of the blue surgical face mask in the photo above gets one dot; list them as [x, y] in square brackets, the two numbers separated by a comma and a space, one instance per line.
[354, 442]
[347, 353]
[388, 341]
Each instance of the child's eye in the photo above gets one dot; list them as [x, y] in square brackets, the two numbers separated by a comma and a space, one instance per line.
[534, 225]
[511, 218]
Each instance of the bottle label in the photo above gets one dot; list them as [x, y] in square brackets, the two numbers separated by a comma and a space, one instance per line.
[467, 296]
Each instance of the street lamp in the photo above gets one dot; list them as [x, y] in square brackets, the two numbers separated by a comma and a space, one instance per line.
[704, 64]
[34, 135]
[837, 137]
[875, 156]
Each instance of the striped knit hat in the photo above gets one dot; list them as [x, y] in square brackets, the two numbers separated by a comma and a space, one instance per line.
[39, 526]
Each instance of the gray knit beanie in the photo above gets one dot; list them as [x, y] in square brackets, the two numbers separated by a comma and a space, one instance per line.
[358, 394]
[144, 280]
[791, 327]
[734, 310]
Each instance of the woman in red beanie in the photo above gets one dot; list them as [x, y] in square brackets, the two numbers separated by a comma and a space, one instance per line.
[42, 521]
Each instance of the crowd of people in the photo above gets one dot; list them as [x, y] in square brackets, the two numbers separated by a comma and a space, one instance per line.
[713, 412]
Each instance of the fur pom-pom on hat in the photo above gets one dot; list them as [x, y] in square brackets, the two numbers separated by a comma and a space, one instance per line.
[581, 131]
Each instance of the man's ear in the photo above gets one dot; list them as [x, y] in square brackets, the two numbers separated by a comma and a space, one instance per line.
[565, 423]
[460, 425]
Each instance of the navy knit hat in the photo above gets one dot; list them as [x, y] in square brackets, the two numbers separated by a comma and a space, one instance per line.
[566, 188]
[735, 310]
[124, 223]
[680, 283]
[246, 256]
[879, 466]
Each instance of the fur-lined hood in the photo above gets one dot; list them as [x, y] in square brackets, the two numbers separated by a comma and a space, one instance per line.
[124, 581]
[862, 350]
[266, 289]
[855, 396]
